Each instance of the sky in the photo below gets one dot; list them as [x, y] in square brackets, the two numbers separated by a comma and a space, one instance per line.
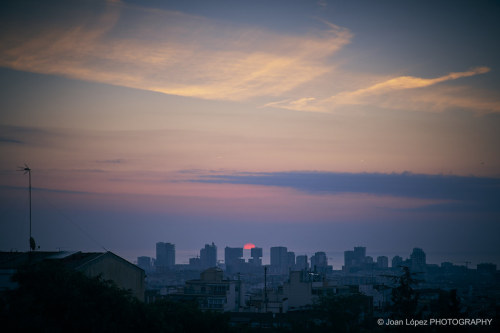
[317, 125]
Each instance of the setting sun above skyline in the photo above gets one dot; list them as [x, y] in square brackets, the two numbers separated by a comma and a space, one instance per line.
[248, 246]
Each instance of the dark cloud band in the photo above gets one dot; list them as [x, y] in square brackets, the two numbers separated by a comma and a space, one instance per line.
[438, 187]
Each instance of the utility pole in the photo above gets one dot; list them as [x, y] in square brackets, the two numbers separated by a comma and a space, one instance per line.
[239, 292]
[265, 287]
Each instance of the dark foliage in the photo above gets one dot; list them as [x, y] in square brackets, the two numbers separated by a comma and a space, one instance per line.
[448, 305]
[51, 298]
[404, 297]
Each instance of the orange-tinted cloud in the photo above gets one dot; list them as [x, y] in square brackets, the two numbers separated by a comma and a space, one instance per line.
[400, 83]
[181, 54]
[403, 92]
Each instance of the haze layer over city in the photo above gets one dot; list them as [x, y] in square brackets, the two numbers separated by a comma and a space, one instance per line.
[315, 125]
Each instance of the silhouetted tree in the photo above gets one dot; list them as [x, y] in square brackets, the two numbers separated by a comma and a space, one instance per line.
[449, 304]
[404, 297]
[52, 298]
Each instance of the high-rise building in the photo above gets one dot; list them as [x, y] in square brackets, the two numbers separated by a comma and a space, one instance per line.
[256, 254]
[279, 256]
[208, 256]
[146, 263]
[165, 256]
[356, 259]
[349, 261]
[279, 259]
[359, 255]
[233, 258]
[291, 259]
[194, 263]
[382, 262]
[418, 261]
[319, 261]
[396, 261]
[301, 262]
[232, 254]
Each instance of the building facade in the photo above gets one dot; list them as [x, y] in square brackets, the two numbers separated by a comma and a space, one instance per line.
[213, 292]
[165, 256]
[208, 256]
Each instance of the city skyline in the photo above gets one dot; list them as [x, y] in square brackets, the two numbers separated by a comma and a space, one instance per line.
[324, 124]
[336, 259]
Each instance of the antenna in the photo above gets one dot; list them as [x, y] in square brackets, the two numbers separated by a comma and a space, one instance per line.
[27, 170]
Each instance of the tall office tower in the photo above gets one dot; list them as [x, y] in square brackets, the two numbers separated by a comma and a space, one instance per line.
[194, 263]
[418, 261]
[301, 262]
[319, 261]
[208, 256]
[145, 263]
[256, 254]
[396, 261]
[349, 260]
[291, 259]
[359, 255]
[382, 262]
[279, 259]
[233, 258]
[165, 256]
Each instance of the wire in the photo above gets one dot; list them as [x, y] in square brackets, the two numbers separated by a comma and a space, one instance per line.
[74, 223]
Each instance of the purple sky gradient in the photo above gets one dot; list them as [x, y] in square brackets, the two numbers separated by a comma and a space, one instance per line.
[315, 125]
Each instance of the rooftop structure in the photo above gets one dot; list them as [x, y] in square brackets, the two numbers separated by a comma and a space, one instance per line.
[105, 264]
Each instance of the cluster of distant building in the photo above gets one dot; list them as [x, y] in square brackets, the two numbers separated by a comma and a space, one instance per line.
[357, 260]
[165, 258]
[291, 283]
[282, 260]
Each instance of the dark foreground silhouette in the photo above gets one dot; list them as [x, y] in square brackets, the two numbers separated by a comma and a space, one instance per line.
[53, 298]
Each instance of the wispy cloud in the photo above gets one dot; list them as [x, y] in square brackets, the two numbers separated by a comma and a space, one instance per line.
[479, 191]
[400, 83]
[34, 136]
[9, 140]
[182, 54]
[89, 170]
[402, 92]
[113, 161]
[322, 3]
[43, 189]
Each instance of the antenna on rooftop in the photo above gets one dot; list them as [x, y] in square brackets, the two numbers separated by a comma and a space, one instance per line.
[27, 170]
